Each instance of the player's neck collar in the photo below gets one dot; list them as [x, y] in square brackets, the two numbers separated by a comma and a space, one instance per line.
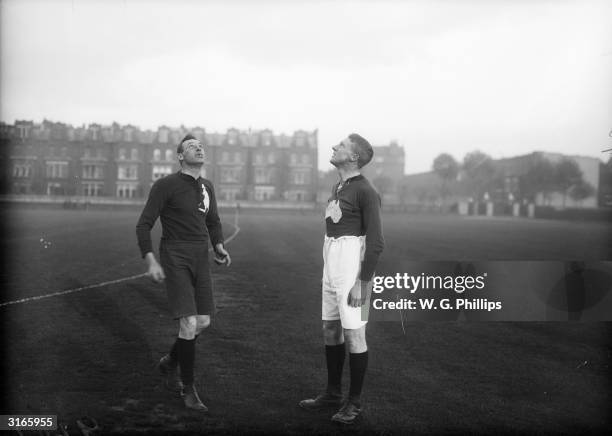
[189, 175]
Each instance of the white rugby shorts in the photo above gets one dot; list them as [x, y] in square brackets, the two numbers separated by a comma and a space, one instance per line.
[342, 259]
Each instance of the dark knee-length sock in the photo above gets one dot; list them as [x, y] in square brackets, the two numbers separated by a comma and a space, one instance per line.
[334, 356]
[186, 358]
[358, 363]
[174, 353]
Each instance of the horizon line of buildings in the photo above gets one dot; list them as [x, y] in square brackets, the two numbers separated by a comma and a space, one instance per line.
[52, 158]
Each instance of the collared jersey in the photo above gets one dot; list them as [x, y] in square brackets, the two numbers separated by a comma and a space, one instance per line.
[354, 210]
[187, 208]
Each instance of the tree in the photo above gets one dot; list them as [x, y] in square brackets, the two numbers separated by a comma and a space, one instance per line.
[447, 168]
[567, 174]
[581, 190]
[539, 178]
[479, 172]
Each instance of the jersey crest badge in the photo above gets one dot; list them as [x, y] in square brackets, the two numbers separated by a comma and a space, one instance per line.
[204, 204]
[333, 211]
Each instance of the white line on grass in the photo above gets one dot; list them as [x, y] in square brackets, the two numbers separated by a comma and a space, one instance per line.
[110, 282]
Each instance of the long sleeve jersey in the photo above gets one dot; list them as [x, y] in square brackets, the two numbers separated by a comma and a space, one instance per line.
[354, 210]
[187, 209]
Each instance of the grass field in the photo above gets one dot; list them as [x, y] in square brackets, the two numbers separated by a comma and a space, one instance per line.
[93, 352]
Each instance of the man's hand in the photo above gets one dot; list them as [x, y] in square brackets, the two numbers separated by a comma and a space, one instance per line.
[221, 255]
[155, 271]
[359, 293]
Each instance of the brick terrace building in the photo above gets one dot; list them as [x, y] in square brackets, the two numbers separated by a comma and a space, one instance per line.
[123, 161]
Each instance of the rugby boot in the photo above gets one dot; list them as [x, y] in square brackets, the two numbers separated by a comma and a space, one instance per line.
[347, 413]
[192, 400]
[169, 370]
[322, 401]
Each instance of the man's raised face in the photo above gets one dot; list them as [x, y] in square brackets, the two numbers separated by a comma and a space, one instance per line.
[193, 152]
[343, 153]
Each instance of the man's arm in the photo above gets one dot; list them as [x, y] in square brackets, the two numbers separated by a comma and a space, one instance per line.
[369, 202]
[372, 228]
[215, 230]
[147, 219]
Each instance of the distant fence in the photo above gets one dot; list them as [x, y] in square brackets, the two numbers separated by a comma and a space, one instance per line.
[481, 209]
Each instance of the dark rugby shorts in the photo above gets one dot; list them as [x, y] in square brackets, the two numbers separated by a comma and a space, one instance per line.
[188, 281]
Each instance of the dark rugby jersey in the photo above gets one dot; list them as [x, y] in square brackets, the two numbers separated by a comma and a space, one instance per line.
[358, 215]
[187, 209]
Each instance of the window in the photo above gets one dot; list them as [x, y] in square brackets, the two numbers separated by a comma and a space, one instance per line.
[230, 175]
[22, 170]
[134, 154]
[64, 151]
[93, 189]
[57, 170]
[300, 177]
[93, 172]
[160, 171]
[293, 158]
[263, 193]
[127, 190]
[271, 158]
[237, 157]
[55, 189]
[23, 131]
[225, 156]
[258, 158]
[230, 194]
[87, 153]
[305, 159]
[122, 154]
[297, 195]
[157, 154]
[169, 155]
[127, 172]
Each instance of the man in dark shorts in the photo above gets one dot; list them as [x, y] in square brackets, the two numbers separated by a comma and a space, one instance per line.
[353, 243]
[187, 208]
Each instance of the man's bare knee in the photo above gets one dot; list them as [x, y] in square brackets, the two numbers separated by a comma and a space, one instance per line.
[202, 322]
[187, 327]
[356, 340]
[332, 332]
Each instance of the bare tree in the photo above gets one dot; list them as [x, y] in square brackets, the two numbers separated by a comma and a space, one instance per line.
[480, 172]
[539, 178]
[447, 168]
[567, 175]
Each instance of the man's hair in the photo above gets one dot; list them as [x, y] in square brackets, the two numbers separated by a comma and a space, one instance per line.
[363, 149]
[188, 136]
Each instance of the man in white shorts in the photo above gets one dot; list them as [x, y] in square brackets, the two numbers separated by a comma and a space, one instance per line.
[353, 244]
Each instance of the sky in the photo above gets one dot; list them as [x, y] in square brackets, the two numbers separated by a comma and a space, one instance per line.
[503, 77]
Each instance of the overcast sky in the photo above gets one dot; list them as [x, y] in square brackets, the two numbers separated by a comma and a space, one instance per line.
[505, 77]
